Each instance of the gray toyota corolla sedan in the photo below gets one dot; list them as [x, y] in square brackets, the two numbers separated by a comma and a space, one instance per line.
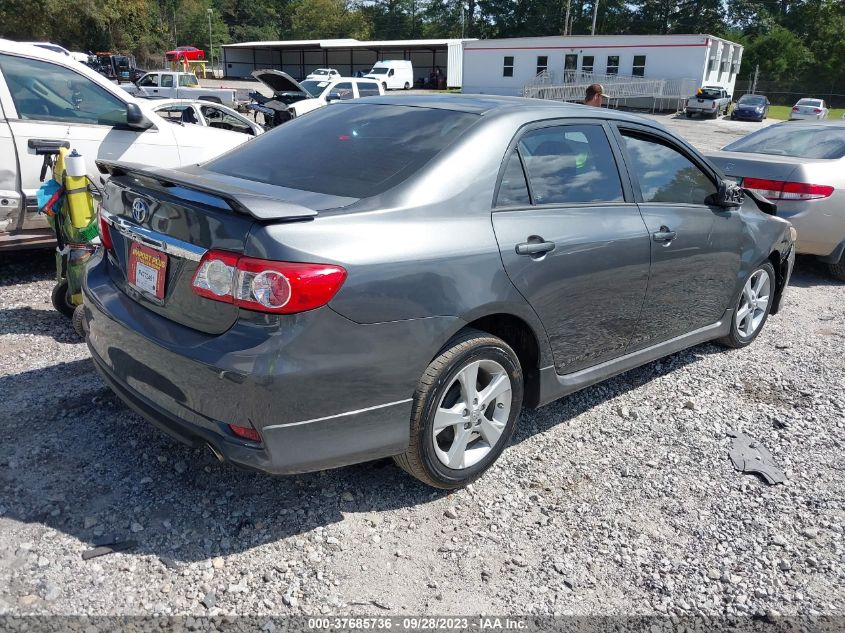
[400, 276]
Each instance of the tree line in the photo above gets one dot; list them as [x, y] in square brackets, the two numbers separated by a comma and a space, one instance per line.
[788, 39]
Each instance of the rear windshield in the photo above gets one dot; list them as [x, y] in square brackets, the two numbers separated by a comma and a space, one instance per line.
[791, 139]
[355, 150]
[816, 103]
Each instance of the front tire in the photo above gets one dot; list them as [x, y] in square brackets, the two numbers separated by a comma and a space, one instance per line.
[752, 308]
[465, 410]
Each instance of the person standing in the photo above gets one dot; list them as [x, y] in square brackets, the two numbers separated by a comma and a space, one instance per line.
[594, 95]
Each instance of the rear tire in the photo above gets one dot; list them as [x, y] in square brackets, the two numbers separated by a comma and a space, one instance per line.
[78, 321]
[465, 410]
[61, 299]
[407, 86]
[752, 308]
[837, 270]
[384, 85]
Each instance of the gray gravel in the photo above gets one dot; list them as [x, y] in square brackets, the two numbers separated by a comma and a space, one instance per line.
[620, 499]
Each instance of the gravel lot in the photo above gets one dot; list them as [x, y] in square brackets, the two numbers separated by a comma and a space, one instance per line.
[619, 500]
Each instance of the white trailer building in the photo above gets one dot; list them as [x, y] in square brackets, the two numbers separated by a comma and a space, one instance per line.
[300, 57]
[507, 66]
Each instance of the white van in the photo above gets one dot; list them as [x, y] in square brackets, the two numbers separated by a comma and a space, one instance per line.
[47, 99]
[393, 74]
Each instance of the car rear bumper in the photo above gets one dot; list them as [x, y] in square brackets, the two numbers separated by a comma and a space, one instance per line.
[321, 390]
[820, 226]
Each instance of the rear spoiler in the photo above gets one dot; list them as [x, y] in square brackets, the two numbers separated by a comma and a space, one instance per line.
[238, 200]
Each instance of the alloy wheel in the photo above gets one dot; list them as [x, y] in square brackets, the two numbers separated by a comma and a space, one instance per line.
[472, 414]
[753, 303]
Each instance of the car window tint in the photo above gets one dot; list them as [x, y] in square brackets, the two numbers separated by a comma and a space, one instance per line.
[188, 81]
[513, 190]
[344, 90]
[167, 81]
[349, 149]
[793, 139]
[149, 80]
[44, 91]
[570, 164]
[219, 118]
[665, 174]
[368, 89]
[172, 113]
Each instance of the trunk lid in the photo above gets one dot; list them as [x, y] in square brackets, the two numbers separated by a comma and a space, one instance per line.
[738, 165]
[164, 221]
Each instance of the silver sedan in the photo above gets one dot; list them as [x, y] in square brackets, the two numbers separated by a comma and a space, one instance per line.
[199, 112]
[801, 167]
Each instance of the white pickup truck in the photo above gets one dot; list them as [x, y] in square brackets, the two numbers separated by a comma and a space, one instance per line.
[710, 101]
[176, 85]
[48, 99]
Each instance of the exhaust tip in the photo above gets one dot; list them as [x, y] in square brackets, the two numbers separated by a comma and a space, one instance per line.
[216, 453]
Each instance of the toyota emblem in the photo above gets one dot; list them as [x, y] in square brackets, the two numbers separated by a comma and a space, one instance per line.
[139, 210]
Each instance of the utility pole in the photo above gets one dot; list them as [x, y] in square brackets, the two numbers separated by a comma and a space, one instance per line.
[754, 81]
[210, 43]
[566, 21]
[595, 15]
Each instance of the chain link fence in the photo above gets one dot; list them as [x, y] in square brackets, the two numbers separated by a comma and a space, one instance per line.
[787, 93]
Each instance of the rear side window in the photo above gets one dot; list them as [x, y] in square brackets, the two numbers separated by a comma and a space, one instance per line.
[350, 149]
[570, 164]
[167, 81]
[367, 89]
[513, 191]
[665, 174]
[788, 140]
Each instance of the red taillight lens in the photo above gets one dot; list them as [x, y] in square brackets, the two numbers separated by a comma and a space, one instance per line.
[105, 235]
[246, 432]
[795, 108]
[817, 110]
[264, 285]
[779, 190]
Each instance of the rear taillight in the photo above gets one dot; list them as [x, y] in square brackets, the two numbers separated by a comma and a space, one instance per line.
[817, 110]
[105, 235]
[265, 285]
[795, 108]
[713, 106]
[779, 190]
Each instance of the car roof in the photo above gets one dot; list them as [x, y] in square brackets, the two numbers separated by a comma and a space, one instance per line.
[490, 104]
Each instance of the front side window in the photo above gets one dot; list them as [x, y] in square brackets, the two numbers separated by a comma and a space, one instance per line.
[352, 149]
[343, 90]
[507, 67]
[570, 164]
[587, 64]
[542, 63]
[148, 81]
[638, 69]
[664, 173]
[613, 64]
[513, 191]
[167, 81]
[216, 117]
[43, 91]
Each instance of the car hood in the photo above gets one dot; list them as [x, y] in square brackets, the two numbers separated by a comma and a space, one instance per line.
[278, 81]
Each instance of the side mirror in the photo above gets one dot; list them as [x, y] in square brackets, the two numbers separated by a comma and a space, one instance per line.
[332, 96]
[729, 196]
[135, 118]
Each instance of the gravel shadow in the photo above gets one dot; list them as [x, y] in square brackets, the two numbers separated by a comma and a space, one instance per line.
[809, 272]
[19, 267]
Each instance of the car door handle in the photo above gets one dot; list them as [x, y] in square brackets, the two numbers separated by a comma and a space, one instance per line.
[663, 235]
[534, 248]
[44, 146]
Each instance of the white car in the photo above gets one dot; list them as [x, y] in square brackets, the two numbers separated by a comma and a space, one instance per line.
[292, 98]
[47, 99]
[323, 74]
[809, 109]
[181, 112]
